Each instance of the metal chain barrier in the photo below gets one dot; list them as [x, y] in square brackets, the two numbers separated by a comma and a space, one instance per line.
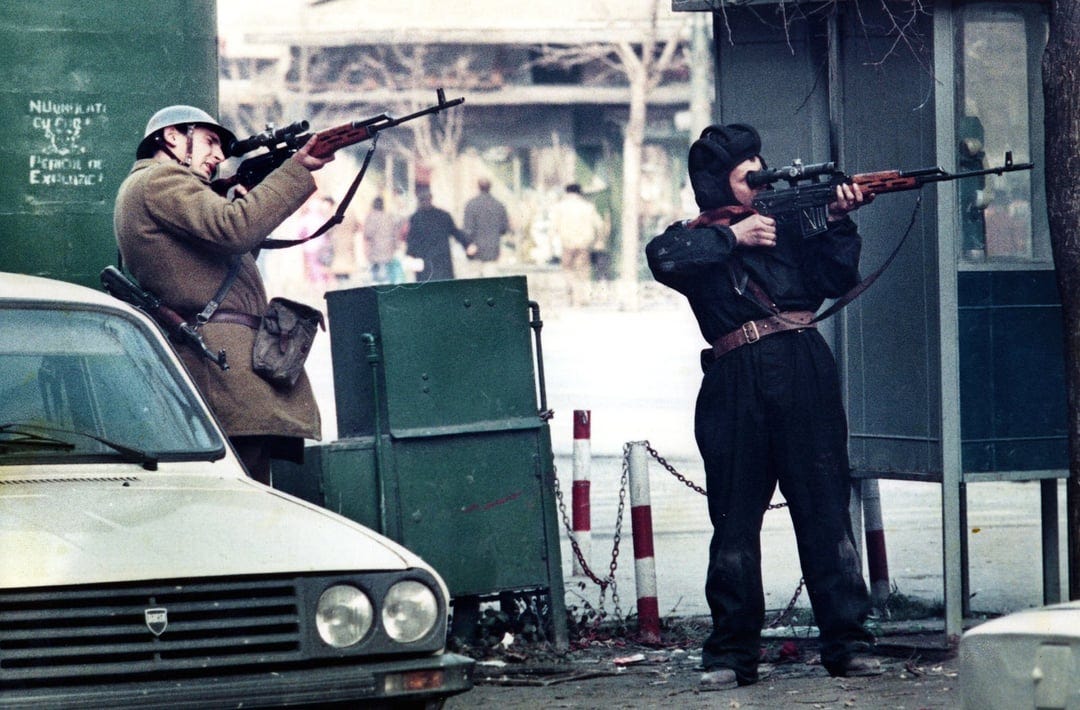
[687, 482]
[773, 506]
[609, 580]
[789, 608]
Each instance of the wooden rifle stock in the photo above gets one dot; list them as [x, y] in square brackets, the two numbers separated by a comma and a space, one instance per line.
[885, 181]
[334, 139]
[338, 137]
[900, 180]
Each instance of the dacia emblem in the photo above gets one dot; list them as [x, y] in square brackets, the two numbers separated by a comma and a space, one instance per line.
[156, 620]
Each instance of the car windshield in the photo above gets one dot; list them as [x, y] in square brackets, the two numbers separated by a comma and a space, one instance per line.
[81, 385]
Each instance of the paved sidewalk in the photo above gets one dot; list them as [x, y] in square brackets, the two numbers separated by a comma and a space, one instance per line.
[919, 672]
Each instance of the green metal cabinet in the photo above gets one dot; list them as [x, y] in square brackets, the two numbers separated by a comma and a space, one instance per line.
[453, 357]
[444, 445]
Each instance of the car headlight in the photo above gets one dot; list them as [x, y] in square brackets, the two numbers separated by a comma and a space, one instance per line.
[343, 615]
[410, 611]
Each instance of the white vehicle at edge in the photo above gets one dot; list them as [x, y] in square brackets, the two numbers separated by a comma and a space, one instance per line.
[142, 568]
[1026, 659]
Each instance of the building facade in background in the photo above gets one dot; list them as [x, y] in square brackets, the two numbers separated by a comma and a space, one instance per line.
[531, 125]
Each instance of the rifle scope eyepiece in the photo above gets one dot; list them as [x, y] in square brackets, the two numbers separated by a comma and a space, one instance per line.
[269, 138]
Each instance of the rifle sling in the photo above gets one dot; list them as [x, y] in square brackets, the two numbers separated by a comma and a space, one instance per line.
[213, 303]
[858, 288]
[338, 215]
[758, 295]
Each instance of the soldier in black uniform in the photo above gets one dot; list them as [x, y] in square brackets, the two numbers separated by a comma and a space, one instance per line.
[769, 409]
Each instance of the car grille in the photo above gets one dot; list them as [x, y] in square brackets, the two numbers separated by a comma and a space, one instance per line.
[100, 631]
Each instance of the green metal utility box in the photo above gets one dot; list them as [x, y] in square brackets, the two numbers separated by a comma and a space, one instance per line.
[455, 357]
[444, 445]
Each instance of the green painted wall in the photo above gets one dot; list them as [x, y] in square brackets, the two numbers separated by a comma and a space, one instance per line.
[81, 80]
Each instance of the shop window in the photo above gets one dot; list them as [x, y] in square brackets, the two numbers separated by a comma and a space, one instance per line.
[999, 48]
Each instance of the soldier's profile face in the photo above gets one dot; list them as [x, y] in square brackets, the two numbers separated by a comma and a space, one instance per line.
[206, 151]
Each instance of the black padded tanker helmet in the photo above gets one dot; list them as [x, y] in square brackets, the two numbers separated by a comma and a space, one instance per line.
[712, 158]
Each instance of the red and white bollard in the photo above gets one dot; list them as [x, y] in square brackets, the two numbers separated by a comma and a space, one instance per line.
[580, 504]
[876, 559]
[644, 561]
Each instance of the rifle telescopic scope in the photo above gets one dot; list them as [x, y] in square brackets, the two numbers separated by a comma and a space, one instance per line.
[792, 173]
[269, 138]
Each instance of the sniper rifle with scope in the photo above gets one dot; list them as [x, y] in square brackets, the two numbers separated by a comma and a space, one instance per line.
[284, 142]
[811, 188]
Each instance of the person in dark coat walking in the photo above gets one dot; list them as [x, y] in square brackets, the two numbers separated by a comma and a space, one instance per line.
[428, 238]
[769, 410]
[485, 222]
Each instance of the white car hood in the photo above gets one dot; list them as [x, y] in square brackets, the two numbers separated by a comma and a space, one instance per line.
[91, 529]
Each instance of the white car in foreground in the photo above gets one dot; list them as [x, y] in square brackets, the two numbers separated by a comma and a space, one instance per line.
[1027, 659]
[141, 567]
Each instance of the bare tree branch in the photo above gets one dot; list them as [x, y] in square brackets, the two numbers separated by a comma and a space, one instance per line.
[902, 17]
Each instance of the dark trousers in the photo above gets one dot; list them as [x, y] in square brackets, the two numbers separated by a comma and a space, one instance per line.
[255, 452]
[771, 413]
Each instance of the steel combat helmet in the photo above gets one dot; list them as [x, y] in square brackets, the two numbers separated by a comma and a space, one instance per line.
[179, 115]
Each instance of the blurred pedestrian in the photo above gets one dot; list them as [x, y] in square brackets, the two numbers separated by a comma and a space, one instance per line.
[381, 231]
[578, 229]
[318, 252]
[428, 238]
[486, 222]
[600, 254]
[343, 258]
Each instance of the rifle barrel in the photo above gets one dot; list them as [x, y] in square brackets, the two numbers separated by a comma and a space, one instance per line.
[442, 104]
[901, 180]
[1001, 169]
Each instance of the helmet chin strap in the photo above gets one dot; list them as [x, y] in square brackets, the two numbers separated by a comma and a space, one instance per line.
[190, 135]
[190, 144]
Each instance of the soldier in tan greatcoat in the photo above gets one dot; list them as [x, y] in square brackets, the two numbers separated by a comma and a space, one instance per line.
[177, 236]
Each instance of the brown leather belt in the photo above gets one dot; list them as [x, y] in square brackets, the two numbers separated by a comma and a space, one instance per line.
[752, 331]
[237, 317]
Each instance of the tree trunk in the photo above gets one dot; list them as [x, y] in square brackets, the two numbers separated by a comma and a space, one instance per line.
[1061, 90]
[701, 77]
[633, 147]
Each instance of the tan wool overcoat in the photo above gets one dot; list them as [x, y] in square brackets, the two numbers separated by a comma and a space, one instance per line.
[177, 236]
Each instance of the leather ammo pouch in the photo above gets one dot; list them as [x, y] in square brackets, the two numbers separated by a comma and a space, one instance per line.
[284, 339]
